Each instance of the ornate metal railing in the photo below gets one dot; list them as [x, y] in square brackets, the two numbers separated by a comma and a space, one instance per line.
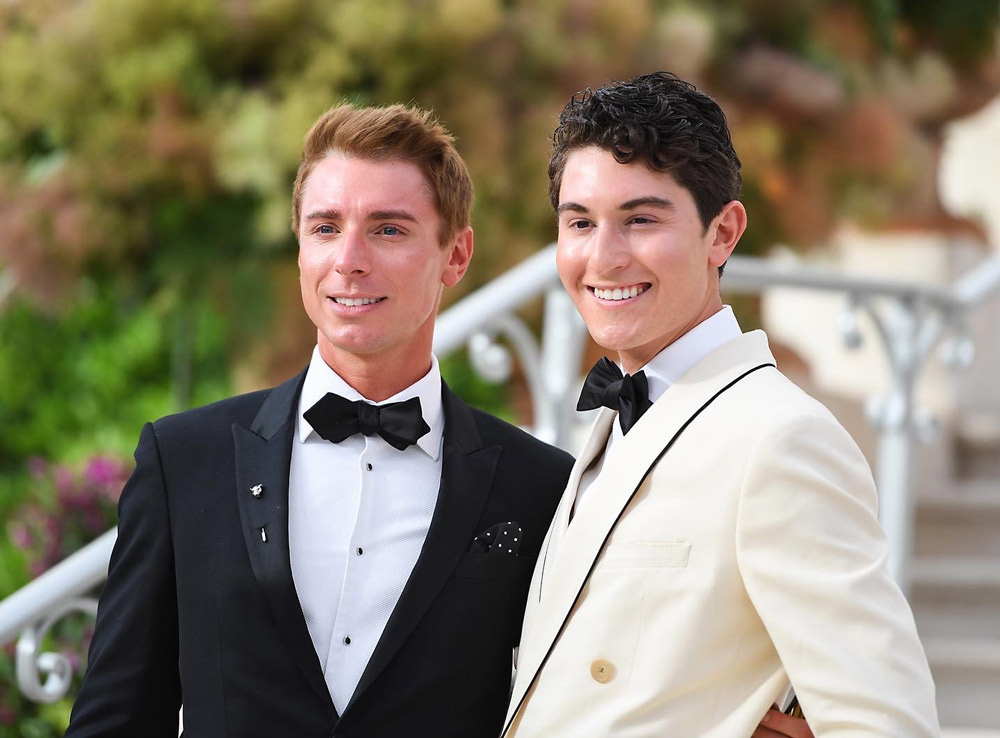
[911, 319]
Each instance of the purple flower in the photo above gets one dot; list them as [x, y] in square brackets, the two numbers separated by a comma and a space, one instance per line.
[103, 471]
[73, 658]
[21, 536]
[64, 481]
[7, 716]
[37, 467]
[94, 522]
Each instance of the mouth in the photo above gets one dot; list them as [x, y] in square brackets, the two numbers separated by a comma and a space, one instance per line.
[356, 301]
[618, 294]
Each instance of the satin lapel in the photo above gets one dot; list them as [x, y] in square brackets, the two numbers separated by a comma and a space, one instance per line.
[466, 480]
[624, 471]
[596, 441]
[263, 457]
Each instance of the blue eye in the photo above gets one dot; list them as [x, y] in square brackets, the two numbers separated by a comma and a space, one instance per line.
[390, 231]
[325, 230]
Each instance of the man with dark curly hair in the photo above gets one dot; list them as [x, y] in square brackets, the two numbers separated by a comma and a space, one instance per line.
[717, 539]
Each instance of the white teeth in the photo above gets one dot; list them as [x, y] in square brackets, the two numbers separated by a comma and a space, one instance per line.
[349, 302]
[618, 293]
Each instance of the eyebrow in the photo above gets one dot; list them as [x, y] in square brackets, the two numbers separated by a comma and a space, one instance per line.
[374, 215]
[638, 202]
[391, 215]
[641, 202]
[323, 215]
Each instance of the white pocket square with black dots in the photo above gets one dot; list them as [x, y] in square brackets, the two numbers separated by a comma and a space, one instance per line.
[502, 538]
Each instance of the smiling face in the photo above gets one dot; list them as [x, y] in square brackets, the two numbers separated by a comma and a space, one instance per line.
[634, 256]
[372, 267]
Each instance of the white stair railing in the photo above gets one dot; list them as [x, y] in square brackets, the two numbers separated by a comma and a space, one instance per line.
[911, 319]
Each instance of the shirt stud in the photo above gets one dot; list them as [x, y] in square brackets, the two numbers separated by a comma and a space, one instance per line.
[257, 490]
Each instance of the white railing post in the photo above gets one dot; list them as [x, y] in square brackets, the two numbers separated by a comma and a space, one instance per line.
[892, 417]
[564, 336]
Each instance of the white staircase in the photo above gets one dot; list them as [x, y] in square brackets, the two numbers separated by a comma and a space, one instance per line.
[955, 594]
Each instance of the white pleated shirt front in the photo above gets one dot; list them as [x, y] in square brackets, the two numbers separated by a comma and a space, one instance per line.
[358, 514]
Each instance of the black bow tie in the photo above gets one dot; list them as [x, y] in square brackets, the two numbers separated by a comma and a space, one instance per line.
[336, 418]
[628, 394]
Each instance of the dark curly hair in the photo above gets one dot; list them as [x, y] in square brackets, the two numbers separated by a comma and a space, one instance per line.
[662, 121]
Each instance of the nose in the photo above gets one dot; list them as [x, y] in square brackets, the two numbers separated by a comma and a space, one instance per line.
[609, 251]
[352, 257]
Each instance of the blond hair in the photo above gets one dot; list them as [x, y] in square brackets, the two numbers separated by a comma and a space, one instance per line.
[392, 133]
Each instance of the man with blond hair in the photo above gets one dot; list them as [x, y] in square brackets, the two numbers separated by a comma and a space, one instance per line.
[346, 554]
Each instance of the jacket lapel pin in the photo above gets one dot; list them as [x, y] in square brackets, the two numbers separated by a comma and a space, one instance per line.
[257, 490]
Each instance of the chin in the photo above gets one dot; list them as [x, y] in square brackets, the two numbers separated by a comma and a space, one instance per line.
[610, 343]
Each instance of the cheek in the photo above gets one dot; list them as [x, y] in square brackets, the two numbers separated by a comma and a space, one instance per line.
[567, 267]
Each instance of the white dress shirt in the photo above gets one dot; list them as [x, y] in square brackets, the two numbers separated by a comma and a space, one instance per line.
[358, 514]
[666, 368]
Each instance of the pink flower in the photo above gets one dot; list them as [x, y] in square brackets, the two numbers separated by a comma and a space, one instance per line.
[64, 481]
[103, 471]
[37, 467]
[21, 536]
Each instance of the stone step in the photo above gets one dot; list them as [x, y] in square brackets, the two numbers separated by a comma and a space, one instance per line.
[977, 444]
[975, 614]
[967, 677]
[962, 521]
[956, 597]
[956, 572]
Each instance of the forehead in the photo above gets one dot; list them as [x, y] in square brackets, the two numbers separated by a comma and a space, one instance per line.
[593, 174]
[343, 181]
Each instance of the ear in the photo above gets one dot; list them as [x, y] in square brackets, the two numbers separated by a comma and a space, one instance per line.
[725, 232]
[459, 256]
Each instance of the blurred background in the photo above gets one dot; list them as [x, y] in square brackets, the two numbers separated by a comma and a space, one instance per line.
[147, 151]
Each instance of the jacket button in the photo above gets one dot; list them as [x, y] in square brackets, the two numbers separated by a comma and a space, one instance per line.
[602, 670]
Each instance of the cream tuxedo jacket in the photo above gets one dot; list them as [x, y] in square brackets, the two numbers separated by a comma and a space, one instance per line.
[730, 545]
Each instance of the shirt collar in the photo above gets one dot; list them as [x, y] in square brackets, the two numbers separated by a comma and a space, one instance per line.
[673, 361]
[321, 378]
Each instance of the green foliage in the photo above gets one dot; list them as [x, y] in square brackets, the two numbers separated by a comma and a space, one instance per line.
[147, 150]
[67, 509]
[90, 378]
[464, 382]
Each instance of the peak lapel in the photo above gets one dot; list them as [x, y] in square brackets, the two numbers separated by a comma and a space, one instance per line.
[624, 471]
[263, 457]
[592, 448]
[466, 479]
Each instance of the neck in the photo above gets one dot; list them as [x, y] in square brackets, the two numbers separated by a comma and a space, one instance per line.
[634, 360]
[377, 378]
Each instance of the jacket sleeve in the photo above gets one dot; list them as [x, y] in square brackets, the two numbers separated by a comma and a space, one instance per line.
[812, 556]
[132, 684]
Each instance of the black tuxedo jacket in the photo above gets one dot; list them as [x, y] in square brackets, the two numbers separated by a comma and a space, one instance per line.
[199, 609]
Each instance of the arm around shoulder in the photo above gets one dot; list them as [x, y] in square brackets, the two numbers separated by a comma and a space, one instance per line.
[812, 556]
[132, 684]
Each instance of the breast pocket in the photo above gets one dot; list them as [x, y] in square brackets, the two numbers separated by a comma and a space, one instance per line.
[493, 566]
[659, 555]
